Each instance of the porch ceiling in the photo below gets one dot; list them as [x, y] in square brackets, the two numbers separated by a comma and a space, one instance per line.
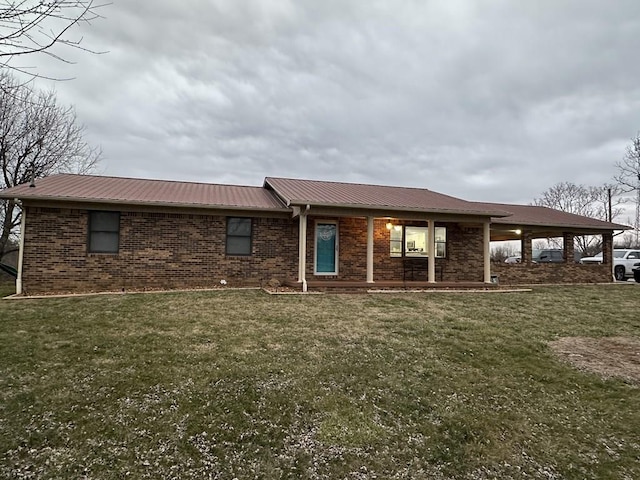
[501, 232]
[535, 218]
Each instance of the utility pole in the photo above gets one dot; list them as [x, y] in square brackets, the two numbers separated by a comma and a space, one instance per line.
[637, 225]
[610, 211]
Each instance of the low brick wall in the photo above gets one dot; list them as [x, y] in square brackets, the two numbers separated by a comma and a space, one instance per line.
[539, 273]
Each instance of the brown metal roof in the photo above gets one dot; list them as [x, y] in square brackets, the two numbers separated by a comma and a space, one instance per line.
[531, 215]
[89, 188]
[100, 189]
[377, 197]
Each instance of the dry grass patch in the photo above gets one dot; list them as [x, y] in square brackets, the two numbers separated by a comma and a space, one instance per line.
[608, 356]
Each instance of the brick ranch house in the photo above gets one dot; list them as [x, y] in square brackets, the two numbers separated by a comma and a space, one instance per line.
[85, 233]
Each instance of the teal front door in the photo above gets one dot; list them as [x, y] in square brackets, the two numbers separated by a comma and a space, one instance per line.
[326, 248]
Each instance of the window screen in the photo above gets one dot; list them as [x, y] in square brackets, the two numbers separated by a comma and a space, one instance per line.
[239, 236]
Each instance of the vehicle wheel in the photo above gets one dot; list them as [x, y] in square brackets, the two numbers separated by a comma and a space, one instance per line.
[618, 272]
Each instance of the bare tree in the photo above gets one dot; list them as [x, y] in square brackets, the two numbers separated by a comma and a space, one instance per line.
[37, 138]
[627, 240]
[503, 250]
[628, 177]
[584, 200]
[35, 26]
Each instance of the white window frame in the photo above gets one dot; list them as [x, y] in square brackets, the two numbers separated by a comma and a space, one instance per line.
[403, 251]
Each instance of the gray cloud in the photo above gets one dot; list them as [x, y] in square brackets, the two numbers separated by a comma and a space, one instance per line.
[489, 100]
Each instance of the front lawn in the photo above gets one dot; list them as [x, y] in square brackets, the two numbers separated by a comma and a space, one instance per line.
[7, 288]
[241, 384]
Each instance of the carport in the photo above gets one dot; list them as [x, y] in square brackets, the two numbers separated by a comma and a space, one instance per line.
[528, 223]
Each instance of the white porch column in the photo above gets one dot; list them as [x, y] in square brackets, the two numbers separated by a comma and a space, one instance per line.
[431, 250]
[487, 252]
[302, 251]
[369, 249]
[23, 223]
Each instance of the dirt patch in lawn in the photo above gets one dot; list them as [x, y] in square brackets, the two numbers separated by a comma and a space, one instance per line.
[606, 356]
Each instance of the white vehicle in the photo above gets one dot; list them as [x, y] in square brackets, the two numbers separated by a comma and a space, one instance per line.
[623, 262]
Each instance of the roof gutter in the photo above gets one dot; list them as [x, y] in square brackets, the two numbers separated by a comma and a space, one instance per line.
[610, 226]
[149, 204]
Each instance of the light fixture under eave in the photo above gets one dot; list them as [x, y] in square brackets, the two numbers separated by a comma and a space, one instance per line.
[518, 231]
[389, 225]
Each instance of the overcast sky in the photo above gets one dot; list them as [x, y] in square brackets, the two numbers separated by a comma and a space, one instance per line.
[484, 100]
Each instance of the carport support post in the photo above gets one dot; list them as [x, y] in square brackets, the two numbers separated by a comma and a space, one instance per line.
[569, 250]
[487, 251]
[369, 249]
[607, 249]
[526, 252]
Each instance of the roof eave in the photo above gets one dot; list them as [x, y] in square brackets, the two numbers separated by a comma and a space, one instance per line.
[480, 213]
[147, 204]
[612, 226]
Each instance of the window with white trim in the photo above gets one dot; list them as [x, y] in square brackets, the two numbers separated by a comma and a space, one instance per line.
[413, 241]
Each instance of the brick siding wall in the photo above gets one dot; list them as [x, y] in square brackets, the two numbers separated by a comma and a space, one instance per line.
[463, 262]
[169, 250]
[157, 250]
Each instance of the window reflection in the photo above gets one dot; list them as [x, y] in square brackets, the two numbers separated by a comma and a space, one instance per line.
[412, 241]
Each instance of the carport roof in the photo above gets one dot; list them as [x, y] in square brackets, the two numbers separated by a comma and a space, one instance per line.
[535, 216]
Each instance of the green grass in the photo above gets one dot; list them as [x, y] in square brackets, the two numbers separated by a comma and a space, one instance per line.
[240, 384]
[7, 288]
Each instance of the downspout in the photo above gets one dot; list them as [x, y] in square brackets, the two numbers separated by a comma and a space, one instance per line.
[303, 248]
[304, 274]
[23, 222]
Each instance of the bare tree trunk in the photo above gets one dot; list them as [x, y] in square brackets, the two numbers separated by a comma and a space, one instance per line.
[7, 226]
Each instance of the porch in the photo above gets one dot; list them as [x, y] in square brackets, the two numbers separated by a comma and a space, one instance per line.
[358, 236]
[351, 252]
[379, 253]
